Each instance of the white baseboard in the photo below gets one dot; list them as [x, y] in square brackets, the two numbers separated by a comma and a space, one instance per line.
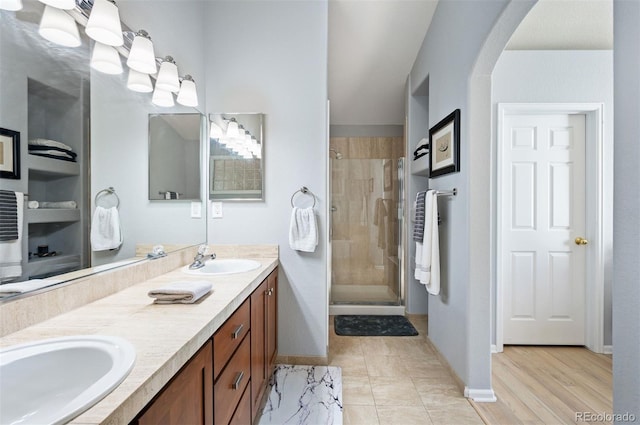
[607, 349]
[390, 310]
[494, 349]
[480, 396]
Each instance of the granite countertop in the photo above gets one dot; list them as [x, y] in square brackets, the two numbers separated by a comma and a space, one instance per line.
[165, 336]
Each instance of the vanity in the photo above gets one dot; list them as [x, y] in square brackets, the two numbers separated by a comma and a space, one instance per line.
[207, 362]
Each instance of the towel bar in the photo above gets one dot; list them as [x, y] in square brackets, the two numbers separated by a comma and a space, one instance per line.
[305, 191]
[108, 191]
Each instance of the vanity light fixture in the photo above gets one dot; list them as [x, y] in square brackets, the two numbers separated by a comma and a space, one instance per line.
[139, 82]
[215, 132]
[168, 75]
[59, 27]
[141, 56]
[61, 4]
[162, 98]
[12, 5]
[104, 23]
[106, 59]
[188, 96]
[232, 128]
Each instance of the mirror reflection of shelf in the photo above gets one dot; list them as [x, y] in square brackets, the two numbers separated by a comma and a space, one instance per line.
[51, 215]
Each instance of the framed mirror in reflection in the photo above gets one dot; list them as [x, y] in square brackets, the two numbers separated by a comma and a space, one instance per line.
[236, 162]
[174, 156]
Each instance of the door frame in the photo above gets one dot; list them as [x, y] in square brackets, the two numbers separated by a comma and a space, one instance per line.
[594, 207]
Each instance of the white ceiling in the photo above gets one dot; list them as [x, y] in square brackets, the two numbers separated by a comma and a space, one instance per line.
[373, 44]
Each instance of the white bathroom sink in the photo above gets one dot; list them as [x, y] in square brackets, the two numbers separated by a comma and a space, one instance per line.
[51, 381]
[224, 266]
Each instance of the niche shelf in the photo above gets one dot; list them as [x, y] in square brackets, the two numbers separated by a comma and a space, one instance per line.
[52, 215]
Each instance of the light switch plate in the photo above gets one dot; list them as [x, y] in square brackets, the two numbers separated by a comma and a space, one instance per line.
[216, 210]
[196, 210]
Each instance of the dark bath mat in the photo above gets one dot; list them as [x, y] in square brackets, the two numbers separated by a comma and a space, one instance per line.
[373, 325]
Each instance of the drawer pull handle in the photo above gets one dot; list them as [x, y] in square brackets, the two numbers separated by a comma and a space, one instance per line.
[237, 332]
[236, 383]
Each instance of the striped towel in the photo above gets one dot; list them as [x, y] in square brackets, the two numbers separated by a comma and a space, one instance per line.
[418, 225]
[8, 216]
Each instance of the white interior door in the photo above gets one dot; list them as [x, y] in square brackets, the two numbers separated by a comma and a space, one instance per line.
[543, 212]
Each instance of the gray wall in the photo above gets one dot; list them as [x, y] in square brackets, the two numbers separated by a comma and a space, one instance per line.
[626, 230]
[271, 57]
[565, 76]
[464, 339]
[119, 130]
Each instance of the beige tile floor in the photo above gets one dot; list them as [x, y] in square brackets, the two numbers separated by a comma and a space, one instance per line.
[397, 380]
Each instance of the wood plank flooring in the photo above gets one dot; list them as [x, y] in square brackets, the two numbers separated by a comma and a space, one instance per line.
[548, 385]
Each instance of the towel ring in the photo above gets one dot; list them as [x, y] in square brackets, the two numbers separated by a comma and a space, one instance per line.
[106, 192]
[305, 191]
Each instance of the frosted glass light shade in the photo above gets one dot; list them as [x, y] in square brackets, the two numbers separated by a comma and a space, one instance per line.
[232, 129]
[188, 96]
[104, 23]
[168, 76]
[12, 5]
[59, 27]
[215, 132]
[142, 58]
[106, 59]
[139, 82]
[61, 4]
[162, 98]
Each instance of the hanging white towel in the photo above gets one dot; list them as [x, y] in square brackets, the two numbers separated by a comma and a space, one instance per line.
[11, 251]
[303, 231]
[105, 229]
[428, 263]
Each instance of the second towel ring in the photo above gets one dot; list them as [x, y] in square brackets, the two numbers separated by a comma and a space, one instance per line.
[106, 192]
[305, 191]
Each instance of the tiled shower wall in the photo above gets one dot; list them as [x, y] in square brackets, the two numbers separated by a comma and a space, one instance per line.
[365, 193]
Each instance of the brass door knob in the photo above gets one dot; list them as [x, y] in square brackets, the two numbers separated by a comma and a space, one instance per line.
[581, 241]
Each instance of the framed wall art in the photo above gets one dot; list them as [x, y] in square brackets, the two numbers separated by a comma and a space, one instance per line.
[444, 139]
[9, 154]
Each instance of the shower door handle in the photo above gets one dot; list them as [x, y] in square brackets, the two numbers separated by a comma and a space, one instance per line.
[333, 209]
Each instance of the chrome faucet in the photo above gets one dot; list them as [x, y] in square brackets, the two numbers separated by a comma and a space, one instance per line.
[199, 259]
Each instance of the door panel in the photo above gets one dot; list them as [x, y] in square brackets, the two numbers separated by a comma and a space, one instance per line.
[542, 205]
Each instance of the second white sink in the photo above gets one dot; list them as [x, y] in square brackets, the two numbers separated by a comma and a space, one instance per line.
[224, 266]
[52, 381]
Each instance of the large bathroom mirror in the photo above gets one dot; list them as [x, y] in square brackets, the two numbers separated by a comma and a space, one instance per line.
[174, 156]
[50, 93]
[236, 161]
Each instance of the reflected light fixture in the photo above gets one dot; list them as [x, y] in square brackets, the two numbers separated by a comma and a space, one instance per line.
[232, 128]
[139, 82]
[162, 98]
[106, 59]
[168, 75]
[61, 4]
[59, 27]
[216, 131]
[188, 96]
[141, 56]
[12, 5]
[104, 23]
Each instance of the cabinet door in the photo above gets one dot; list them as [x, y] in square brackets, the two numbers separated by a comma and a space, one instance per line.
[188, 397]
[272, 322]
[258, 344]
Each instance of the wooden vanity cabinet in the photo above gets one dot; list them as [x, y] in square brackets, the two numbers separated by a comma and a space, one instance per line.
[264, 304]
[225, 382]
[188, 397]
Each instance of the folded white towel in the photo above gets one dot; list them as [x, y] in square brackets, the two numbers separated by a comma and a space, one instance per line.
[105, 229]
[186, 292]
[55, 204]
[47, 142]
[11, 251]
[9, 289]
[303, 231]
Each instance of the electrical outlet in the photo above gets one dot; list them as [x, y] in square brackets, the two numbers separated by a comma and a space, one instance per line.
[216, 210]
[196, 210]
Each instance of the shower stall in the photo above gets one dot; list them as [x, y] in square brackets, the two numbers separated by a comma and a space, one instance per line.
[366, 225]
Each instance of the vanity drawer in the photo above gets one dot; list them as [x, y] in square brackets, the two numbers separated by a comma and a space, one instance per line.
[231, 384]
[242, 416]
[229, 336]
